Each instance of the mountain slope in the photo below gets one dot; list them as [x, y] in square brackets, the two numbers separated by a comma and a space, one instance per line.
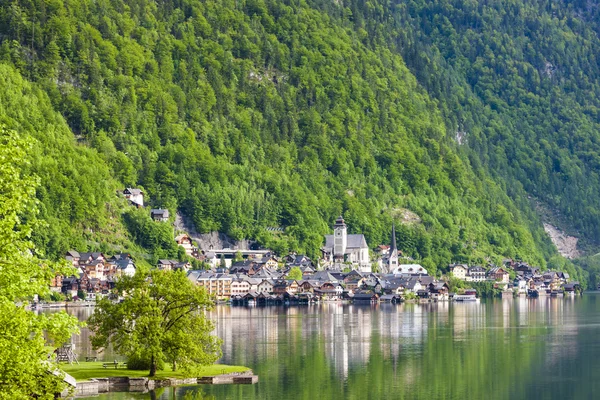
[248, 115]
[518, 83]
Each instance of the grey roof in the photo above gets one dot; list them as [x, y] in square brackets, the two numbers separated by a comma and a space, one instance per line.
[122, 264]
[476, 269]
[160, 211]
[73, 253]
[323, 276]
[356, 241]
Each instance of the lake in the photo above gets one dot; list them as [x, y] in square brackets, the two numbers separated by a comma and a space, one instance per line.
[546, 348]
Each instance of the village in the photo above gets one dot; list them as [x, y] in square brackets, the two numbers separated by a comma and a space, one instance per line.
[344, 272]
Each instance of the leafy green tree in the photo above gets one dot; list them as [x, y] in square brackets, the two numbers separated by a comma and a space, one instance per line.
[238, 256]
[162, 318]
[24, 352]
[295, 273]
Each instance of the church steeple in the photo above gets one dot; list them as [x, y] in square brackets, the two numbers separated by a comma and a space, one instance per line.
[393, 253]
[340, 238]
[393, 244]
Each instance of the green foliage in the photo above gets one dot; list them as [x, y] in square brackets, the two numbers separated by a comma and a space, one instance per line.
[142, 363]
[456, 285]
[295, 273]
[281, 113]
[485, 289]
[408, 295]
[155, 236]
[253, 123]
[161, 318]
[24, 336]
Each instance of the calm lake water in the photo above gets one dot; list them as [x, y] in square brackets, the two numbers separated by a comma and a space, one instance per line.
[502, 349]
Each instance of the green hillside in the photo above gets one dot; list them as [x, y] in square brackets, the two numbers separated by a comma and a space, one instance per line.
[245, 115]
[518, 82]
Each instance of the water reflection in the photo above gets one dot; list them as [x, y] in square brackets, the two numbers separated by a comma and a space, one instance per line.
[512, 348]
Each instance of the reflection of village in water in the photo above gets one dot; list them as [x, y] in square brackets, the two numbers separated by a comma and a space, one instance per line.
[348, 333]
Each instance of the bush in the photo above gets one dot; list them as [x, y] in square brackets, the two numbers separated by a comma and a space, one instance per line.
[136, 363]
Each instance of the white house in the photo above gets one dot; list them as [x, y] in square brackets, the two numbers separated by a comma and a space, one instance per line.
[266, 286]
[239, 287]
[342, 247]
[459, 271]
[125, 267]
[136, 196]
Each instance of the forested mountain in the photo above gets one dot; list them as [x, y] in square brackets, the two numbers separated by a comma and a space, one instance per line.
[518, 82]
[251, 114]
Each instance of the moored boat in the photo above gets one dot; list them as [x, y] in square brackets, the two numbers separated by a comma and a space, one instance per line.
[469, 295]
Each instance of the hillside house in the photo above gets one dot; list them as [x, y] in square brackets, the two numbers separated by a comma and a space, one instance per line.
[135, 196]
[185, 241]
[159, 214]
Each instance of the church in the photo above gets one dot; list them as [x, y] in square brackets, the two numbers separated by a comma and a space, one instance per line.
[343, 248]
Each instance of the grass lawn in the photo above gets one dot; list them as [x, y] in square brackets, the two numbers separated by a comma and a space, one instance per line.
[87, 370]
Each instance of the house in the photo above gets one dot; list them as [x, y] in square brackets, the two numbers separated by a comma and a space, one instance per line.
[329, 291]
[73, 256]
[520, 285]
[269, 261]
[246, 267]
[70, 286]
[297, 260]
[365, 297]
[459, 271]
[125, 267]
[498, 274]
[393, 286]
[412, 269]
[342, 247]
[323, 276]
[438, 290]
[135, 196]
[280, 286]
[292, 287]
[266, 286]
[308, 286]
[211, 259]
[159, 214]
[239, 287]
[56, 284]
[166, 265]
[185, 241]
[218, 285]
[476, 274]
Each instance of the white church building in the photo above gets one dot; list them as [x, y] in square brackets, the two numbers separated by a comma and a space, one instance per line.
[343, 248]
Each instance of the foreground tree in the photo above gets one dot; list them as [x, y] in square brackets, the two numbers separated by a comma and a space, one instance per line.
[162, 318]
[25, 362]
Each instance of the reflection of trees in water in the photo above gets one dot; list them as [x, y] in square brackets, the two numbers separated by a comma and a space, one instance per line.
[494, 350]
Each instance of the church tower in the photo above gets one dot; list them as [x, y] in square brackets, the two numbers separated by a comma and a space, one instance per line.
[392, 259]
[340, 239]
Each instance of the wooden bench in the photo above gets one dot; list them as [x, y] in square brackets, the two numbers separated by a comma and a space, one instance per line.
[91, 359]
[114, 364]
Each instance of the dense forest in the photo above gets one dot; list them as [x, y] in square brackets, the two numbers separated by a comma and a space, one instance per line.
[245, 115]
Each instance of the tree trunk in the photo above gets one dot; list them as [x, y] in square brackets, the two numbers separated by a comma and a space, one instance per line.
[174, 365]
[152, 366]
